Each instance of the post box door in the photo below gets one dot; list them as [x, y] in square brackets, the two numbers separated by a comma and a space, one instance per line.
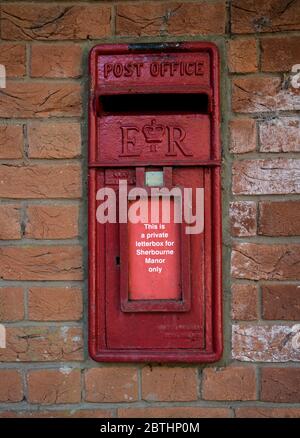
[161, 328]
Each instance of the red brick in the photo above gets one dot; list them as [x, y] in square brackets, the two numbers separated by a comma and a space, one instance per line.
[251, 16]
[10, 222]
[266, 177]
[40, 181]
[202, 18]
[244, 302]
[233, 383]
[280, 135]
[13, 57]
[242, 56]
[42, 344]
[173, 18]
[31, 99]
[177, 412]
[41, 262]
[242, 218]
[49, 387]
[169, 384]
[54, 22]
[144, 18]
[279, 218]
[280, 385]
[54, 140]
[254, 261]
[242, 136]
[11, 140]
[11, 386]
[73, 413]
[265, 343]
[267, 412]
[54, 304]
[111, 384]
[11, 304]
[281, 301]
[280, 54]
[52, 222]
[56, 61]
[260, 94]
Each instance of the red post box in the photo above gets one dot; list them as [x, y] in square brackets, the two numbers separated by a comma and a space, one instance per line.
[154, 154]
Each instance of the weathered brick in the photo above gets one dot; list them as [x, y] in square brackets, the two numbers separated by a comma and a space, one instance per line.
[48, 387]
[242, 136]
[54, 22]
[244, 302]
[260, 94]
[40, 181]
[279, 218]
[13, 57]
[267, 412]
[10, 222]
[54, 304]
[54, 140]
[254, 261]
[42, 344]
[265, 343]
[281, 301]
[280, 54]
[242, 218]
[73, 413]
[280, 135]
[242, 56]
[111, 384]
[169, 384]
[11, 304]
[41, 262]
[31, 99]
[251, 16]
[143, 19]
[232, 383]
[173, 18]
[56, 61]
[52, 222]
[280, 385]
[266, 177]
[177, 412]
[202, 18]
[11, 386]
[11, 141]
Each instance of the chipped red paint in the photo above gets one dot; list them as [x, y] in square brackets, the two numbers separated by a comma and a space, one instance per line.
[155, 107]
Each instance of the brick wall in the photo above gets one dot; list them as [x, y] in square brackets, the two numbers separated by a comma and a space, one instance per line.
[45, 369]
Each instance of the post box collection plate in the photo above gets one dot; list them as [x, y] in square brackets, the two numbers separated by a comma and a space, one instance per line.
[154, 289]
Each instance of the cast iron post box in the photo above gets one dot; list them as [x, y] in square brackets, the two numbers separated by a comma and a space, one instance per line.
[155, 285]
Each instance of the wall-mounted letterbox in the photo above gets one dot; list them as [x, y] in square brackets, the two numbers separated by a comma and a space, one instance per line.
[154, 203]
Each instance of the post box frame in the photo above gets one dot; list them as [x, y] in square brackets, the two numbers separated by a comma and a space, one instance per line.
[211, 169]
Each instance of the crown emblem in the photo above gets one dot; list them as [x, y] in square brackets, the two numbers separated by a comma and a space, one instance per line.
[153, 133]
